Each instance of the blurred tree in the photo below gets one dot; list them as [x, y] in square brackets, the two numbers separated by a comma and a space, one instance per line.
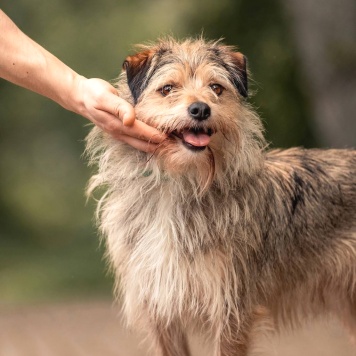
[325, 32]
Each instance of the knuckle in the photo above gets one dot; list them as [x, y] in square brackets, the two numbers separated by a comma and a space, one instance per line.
[120, 108]
[117, 109]
[100, 95]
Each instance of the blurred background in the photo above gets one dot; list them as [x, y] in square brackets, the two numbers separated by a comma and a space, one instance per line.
[302, 56]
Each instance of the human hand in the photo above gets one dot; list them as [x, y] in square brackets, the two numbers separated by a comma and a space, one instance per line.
[94, 99]
[99, 102]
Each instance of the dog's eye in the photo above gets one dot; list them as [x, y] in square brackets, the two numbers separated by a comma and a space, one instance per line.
[166, 89]
[217, 89]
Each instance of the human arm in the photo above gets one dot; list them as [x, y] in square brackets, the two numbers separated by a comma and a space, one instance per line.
[27, 64]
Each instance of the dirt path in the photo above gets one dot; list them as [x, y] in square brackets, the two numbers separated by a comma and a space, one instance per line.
[95, 329]
[89, 329]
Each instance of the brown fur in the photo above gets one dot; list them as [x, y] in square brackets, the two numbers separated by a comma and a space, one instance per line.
[209, 238]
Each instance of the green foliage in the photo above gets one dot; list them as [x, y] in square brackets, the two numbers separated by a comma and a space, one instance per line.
[47, 235]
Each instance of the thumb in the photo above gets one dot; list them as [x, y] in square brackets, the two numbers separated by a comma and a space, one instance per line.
[128, 118]
[124, 111]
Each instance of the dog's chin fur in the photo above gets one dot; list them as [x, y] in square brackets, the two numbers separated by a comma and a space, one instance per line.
[204, 238]
[219, 163]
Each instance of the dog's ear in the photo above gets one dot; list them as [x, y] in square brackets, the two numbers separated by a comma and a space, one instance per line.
[238, 71]
[136, 68]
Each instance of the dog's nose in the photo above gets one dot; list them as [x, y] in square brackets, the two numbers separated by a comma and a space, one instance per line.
[199, 111]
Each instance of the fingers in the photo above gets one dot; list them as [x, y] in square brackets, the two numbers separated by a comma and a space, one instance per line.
[139, 131]
[124, 111]
[101, 104]
[144, 132]
[128, 119]
[110, 102]
[143, 146]
[123, 121]
[135, 128]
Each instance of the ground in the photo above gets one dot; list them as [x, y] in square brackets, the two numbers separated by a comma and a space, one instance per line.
[96, 329]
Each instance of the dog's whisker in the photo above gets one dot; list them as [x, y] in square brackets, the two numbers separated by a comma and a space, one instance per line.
[226, 137]
[156, 149]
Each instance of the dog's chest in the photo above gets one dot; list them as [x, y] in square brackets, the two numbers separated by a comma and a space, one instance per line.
[170, 258]
[169, 284]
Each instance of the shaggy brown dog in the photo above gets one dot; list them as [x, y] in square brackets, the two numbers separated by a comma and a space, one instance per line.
[214, 228]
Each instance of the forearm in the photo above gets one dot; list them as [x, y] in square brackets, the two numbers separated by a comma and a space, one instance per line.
[25, 63]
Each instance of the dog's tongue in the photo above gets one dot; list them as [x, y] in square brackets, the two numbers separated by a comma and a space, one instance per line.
[199, 139]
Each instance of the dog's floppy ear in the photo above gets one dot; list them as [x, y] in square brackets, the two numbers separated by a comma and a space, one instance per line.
[238, 71]
[136, 68]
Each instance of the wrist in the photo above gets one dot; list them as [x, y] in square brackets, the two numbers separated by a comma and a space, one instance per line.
[73, 99]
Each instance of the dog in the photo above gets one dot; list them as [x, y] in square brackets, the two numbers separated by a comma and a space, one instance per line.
[215, 232]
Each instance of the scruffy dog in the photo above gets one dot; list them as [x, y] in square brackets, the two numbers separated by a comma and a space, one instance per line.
[213, 228]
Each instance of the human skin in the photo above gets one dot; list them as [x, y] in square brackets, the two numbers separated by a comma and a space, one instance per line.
[25, 63]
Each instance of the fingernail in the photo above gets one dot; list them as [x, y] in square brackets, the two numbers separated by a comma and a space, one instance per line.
[128, 120]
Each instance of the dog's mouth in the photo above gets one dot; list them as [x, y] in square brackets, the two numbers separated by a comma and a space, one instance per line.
[196, 139]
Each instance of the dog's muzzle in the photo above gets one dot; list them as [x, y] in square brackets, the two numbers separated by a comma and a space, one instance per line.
[197, 136]
[196, 139]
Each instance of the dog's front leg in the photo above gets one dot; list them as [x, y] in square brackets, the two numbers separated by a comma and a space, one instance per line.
[170, 341]
[237, 339]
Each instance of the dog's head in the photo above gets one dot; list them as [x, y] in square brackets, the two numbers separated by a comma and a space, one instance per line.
[195, 92]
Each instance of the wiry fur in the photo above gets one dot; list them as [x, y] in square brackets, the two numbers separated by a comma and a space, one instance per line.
[211, 238]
